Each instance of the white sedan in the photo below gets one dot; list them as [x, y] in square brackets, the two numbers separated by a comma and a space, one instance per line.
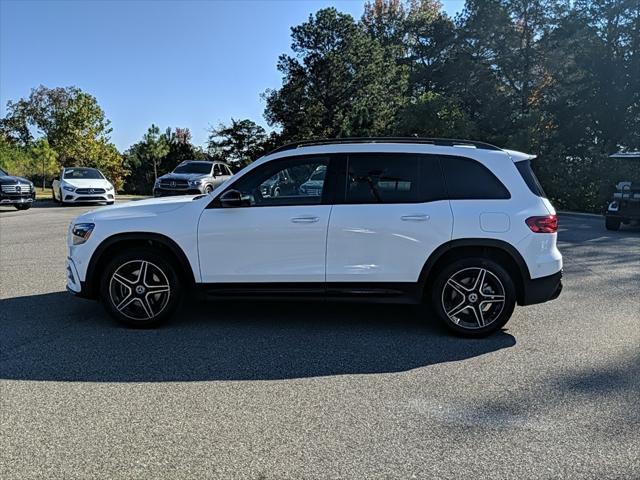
[81, 185]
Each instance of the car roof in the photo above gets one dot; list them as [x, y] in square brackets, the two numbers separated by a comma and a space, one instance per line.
[203, 161]
[447, 147]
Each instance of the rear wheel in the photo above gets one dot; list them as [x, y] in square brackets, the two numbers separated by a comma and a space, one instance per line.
[140, 288]
[474, 296]
[612, 223]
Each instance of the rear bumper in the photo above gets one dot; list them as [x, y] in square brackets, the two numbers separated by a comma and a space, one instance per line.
[542, 289]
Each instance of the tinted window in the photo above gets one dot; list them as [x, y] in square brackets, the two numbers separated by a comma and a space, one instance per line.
[469, 179]
[393, 178]
[530, 178]
[295, 181]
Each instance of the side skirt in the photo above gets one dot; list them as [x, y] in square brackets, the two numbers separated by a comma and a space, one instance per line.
[375, 292]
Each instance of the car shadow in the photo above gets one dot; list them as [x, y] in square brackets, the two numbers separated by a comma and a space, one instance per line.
[55, 337]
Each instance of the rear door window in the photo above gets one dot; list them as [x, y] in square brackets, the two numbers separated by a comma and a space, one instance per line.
[393, 178]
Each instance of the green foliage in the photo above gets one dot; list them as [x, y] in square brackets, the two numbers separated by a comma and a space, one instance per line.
[44, 161]
[559, 79]
[15, 160]
[239, 143]
[156, 154]
[341, 82]
[73, 125]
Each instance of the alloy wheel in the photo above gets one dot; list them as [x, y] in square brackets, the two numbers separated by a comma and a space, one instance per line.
[139, 290]
[473, 298]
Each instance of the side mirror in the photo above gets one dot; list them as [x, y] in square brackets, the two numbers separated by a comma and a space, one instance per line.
[233, 198]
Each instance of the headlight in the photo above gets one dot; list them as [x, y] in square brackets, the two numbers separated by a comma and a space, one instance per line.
[109, 188]
[194, 183]
[69, 189]
[81, 232]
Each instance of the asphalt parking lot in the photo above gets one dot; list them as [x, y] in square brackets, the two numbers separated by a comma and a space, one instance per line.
[270, 391]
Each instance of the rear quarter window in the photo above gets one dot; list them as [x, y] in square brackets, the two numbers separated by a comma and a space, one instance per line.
[530, 178]
[468, 179]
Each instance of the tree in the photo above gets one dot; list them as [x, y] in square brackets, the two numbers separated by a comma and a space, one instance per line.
[156, 146]
[340, 82]
[72, 123]
[46, 157]
[156, 154]
[14, 159]
[239, 143]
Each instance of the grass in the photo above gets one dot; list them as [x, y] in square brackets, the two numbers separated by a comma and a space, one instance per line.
[45, 194]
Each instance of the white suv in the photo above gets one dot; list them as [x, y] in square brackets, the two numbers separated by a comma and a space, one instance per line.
[462, 226]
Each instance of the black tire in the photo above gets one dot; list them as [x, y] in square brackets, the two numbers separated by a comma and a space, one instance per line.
[23, 206]
[612, 223]
[208, 189]
[470, 309]
[111, 202]
[276, 192]
[53, 196]
[128, 298]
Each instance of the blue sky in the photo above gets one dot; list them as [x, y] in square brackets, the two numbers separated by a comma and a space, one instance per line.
[173, 63]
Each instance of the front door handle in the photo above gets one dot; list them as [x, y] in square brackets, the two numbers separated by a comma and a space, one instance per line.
[308, 219]
[414, 218]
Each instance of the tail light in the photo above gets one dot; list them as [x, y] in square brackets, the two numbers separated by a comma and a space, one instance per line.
[544, 224]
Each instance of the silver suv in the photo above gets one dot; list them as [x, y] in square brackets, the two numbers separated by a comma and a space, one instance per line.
[192, 177]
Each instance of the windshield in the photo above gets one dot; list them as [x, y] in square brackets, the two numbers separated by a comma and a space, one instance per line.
[194, 167]
[89, 173]
[3, 173]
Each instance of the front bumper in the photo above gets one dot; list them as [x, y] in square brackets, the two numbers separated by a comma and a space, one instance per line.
[69, 197]
[166, 192]
[73, 279]
[539, 290]
[13, 199]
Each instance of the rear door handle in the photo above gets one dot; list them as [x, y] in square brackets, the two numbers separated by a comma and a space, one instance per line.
[308, 219]
[414, 218]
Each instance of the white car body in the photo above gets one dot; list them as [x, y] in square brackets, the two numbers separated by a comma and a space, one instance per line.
[66, 189]
[332, 245]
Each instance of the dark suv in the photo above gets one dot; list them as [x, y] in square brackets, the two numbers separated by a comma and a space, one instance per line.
[192, 177]
[16, 191]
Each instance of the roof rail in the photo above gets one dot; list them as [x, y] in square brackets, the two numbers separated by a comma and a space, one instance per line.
[444, 142]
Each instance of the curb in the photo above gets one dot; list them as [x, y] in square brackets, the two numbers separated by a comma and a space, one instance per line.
[580, 214]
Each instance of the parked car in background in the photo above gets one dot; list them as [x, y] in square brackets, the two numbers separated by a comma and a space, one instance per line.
[280, 184]
[313, 186]
[624, 207]
[460, 225]
[16, 191]
[192, 177]
[82, 185]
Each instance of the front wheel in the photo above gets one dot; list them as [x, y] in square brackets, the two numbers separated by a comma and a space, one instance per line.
[23, 206]
[140, 288]
[474, 296]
